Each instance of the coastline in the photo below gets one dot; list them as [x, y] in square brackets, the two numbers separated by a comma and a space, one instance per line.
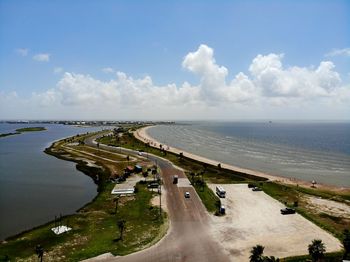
[142, 135]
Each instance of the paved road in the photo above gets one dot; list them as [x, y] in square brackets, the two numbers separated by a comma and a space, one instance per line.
[188, 238]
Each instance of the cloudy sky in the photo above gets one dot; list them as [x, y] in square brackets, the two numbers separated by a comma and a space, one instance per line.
[173, 60]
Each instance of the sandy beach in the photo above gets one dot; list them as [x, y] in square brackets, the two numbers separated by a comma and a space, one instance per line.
[142, 135]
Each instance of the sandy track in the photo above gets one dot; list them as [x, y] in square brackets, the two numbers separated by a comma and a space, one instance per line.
[254, 218]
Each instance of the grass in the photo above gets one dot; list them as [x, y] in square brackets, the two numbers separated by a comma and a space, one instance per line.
[30, 129]
[144, 224]
[208, 197]
[328, 257]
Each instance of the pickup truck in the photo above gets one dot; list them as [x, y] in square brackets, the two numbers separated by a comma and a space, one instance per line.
[287, 211]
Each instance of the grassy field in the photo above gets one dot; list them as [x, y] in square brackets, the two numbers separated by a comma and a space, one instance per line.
[95, 226]
[30, 129]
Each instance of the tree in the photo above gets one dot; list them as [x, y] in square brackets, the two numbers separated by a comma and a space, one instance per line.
[317, 249]
[346, 243]
[256, 253]
[121, 226]
[116, 201]
[145, 174]
[192, 174]
[39, 250]
[271, 259]
[181, 155]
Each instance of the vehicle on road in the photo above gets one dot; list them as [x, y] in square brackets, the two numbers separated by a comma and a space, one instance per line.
[287, 211]
[175, 179]
[153, 185]
[220, 191]
[257, 189]
[222, 210]
[250, 185]
[187, 194]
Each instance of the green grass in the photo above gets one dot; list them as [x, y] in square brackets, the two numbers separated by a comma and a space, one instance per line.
[95, 229]
[329, 257]
[208, 197]
[30, 129]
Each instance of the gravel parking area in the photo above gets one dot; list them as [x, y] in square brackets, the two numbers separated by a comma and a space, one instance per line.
[254, 218]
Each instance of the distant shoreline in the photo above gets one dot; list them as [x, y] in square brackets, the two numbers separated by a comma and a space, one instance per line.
[142, 135]
[22, 130]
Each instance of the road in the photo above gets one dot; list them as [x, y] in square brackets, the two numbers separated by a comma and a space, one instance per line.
[188, 238]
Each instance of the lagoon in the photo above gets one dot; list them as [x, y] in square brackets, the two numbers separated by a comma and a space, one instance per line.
[36, 187]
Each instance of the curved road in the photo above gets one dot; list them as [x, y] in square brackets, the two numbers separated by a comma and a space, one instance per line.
[189, 236]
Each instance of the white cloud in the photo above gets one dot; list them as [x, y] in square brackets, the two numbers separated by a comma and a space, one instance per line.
[339, 52]
[43, 57]
[58, 70]
[268, 87]
[22, 51]
[273, 80]
[108, 70]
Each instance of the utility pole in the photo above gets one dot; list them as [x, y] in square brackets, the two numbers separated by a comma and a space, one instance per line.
[160, 197]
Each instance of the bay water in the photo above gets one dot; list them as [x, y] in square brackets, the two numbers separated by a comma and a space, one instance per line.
[36, 187]
[308, 151]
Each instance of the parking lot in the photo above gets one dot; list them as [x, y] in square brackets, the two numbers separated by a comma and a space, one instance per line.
[254, 218]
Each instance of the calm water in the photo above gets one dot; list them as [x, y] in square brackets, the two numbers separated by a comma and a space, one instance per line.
[308, 151]
[34, 186]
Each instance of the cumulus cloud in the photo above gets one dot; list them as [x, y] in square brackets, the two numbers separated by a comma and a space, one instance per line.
[273, 80]
[267, 83]
[339, 52]
[22, 51]
[268, 80]
[43, 57]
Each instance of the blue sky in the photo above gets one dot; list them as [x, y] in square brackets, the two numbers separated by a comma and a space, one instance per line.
[152, 38]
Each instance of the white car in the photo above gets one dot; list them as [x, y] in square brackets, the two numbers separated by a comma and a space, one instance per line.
[187, 194]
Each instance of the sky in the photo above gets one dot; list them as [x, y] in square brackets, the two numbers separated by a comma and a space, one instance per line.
[174, 60]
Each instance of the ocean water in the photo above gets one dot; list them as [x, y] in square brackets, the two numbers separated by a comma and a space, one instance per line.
[34, 186]
[309, 151]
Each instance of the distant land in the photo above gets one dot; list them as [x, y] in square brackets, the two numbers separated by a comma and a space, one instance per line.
[31, 129]
[25, 129]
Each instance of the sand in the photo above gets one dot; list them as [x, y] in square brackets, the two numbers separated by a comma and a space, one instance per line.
[142, 135]
[254, 218]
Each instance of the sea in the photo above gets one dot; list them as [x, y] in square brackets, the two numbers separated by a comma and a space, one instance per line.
[303, 150]
[36, 187]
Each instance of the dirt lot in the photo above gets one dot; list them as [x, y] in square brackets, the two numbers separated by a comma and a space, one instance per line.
[254, 218]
